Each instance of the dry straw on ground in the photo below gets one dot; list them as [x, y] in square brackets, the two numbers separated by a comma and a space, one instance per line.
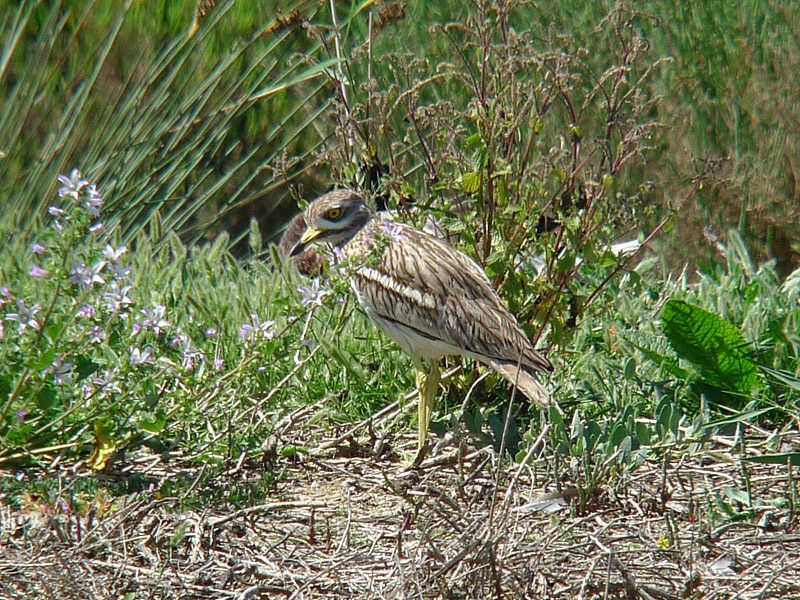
[361, 526]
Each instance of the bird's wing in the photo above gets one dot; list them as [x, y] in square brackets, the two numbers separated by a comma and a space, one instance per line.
[424, 284]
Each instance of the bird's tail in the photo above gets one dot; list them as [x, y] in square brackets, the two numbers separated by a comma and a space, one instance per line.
[527, 383]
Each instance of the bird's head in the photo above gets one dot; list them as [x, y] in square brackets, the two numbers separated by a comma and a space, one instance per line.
[334, 218]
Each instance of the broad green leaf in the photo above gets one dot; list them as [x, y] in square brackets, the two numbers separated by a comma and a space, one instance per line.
[46, 397]
[715, 346]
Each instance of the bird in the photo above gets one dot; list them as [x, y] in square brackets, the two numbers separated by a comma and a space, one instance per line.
[430, 298]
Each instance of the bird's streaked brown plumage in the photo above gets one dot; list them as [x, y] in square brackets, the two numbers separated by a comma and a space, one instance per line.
[430, 298]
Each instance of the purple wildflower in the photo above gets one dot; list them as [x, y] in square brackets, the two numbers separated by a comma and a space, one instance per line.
[37, 248]
[72, 185]
[140, 357]
[94, 201]
[394, 231]
[117, 298]
[119, 271]
[114, 254]
[154, 319]
[258, 329]
[314, 295]
[97, 334]
[85, 276]
[86, 312]
[37, 271]
[188, 350]
[60, 370]
[107, 382]
[25, 317]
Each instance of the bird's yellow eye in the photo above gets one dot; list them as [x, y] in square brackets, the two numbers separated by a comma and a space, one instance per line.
[334, 214]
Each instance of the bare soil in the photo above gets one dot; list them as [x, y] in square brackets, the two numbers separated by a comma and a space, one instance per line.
[461, 526]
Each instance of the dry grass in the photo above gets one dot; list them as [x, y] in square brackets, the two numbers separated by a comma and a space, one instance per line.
[361, 526]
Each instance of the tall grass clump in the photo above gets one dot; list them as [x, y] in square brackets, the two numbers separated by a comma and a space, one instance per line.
[167, 130]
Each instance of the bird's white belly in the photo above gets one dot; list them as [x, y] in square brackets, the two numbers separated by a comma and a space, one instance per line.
[412, 342]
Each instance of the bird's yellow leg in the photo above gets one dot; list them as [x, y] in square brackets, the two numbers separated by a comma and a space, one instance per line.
[428, 377]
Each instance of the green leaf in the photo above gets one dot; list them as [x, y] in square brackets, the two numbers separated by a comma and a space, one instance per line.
[473, 140]
[712, 344]
[470, 182]
[5, 386]
[668, 363]
[643, 433]
[44, 360]
[502, 192]
[85, 367]
[473, 421]
[495, 264]
[46, 397]
[742, 417]
[630, 369]
[785, 377]
[154, 425]
[576, 429]
[53, 330]
[292, 450]
[792, 458]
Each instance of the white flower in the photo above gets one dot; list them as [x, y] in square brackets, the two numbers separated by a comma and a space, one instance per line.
[118, 297]
[112, 253]
[85, 276]
[258, 329]
[140, 357]
[25, 317]
[155, 319]
[394, 231]
[312, 295]
[72, 185]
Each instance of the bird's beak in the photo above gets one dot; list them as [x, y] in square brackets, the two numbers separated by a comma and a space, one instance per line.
[309, 236]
